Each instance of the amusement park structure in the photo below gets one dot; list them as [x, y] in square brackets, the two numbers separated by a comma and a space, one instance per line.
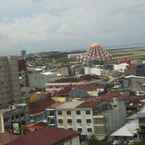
[96, 53]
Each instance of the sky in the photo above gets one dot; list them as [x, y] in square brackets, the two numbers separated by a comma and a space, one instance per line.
[45, 25]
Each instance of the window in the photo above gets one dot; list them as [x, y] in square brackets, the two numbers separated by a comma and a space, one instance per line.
[68, 112]
[12, 117]
[88, 120]
[89, 129]
[88, 112]
[78, 112]
[60, 121]
[69, 121]
[22, 115]
[51, 113]
[79, 121]
[80, 130]
[17, 116]
[59, 112]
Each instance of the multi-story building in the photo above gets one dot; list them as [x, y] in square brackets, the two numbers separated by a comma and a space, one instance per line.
[13, 114]
[9, 81]
[108, 117]
[41, 111]
[23, 73]
[90, 117]
[39, 78]
[74, 115]
[134, 84]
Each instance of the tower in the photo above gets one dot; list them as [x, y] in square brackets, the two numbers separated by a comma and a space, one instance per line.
[9, 81]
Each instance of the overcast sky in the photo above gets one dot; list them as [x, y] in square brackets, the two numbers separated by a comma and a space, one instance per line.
[42, 25]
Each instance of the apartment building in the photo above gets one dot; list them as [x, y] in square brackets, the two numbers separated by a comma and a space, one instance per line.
[91, 117]
[9, 81]
[108, 117]
[13, 114]
[73, 115]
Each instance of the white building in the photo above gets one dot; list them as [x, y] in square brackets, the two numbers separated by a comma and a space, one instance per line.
[72, 115]
[93, 71]
[90, 117]
[120, 67]
[9, 81]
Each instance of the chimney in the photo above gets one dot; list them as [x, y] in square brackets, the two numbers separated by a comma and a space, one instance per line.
[2, 128]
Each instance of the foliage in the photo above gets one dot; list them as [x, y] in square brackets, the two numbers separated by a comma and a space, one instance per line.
[139, 143]
[94, 141]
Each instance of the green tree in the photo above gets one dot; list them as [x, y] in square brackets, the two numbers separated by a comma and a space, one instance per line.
[139, 143]
[94, 141]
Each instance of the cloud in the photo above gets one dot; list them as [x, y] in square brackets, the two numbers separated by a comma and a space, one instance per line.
[47, 25]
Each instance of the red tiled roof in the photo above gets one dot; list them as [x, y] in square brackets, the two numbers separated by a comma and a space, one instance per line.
[40, 106]
[109, 96]
[34, 126]
[89, 87]
[45, 136]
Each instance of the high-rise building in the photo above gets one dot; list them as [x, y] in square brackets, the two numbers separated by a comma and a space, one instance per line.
[9, 81]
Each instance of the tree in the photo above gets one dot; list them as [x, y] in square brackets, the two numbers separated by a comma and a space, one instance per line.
[94, 141]
[139, 143]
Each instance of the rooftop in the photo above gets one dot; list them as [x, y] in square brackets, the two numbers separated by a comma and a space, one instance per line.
[45, 136]
[47, 73]
[133, 76]
[40, 105]
[129, 129]
[70, 105]
[82, 78]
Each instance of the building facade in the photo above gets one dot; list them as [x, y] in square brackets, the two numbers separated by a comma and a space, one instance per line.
[89, 118]
[39, 79]
[13, 114]
[86, 117]
[76, 118]
[9, 81]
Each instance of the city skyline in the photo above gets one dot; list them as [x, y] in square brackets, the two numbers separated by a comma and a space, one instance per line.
[69, 25]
